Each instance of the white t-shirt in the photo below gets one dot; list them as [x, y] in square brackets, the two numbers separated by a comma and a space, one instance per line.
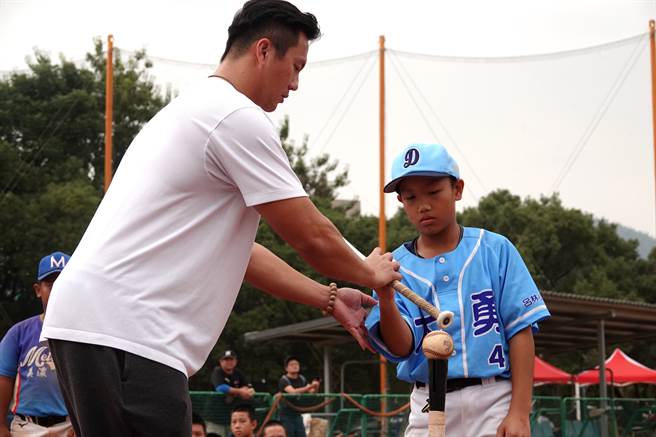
[159, 267]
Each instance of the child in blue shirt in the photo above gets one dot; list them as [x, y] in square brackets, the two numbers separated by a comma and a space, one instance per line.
[27, 365]
[482, 279]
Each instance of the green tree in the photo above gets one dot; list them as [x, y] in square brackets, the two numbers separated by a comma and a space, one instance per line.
[565, 249]
[52, 153]
[316, 175]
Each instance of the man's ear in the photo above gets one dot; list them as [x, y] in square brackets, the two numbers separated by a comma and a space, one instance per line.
[37, 289]
[263, 49]
[398, 197]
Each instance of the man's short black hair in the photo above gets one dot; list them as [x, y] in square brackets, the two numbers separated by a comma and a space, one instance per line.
[244, 408]
[198, 420]
[278, 20]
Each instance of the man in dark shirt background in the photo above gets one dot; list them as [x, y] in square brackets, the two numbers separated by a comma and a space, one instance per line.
[293, 382]
[227, 379]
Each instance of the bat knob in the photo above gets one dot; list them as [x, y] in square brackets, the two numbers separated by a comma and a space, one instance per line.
[444, 319]
[437, 345]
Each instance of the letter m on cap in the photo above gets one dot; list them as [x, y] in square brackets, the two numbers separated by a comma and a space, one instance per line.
[61, 263]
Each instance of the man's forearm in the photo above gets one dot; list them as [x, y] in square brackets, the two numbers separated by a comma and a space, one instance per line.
[327, 252]
[522, 356]
[274, 276]
[292, 390]
[317, 240]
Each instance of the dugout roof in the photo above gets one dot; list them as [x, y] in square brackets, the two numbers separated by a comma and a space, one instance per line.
[575, 323]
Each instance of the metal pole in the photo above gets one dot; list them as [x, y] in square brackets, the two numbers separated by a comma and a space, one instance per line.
[382, 235]
[326, 375]
[382, 224]
[652, 46]
[326, 369]
[577, 396]
[109, 102]
[603, 392]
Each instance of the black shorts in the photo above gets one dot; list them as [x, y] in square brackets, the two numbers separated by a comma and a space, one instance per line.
[110, 392]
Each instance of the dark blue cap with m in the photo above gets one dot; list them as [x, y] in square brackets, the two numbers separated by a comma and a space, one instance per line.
[53, 263]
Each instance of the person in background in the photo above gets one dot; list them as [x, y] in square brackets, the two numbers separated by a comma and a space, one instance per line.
[227, 379]
[27, 371]
[242, 421]
[293, 382]
[198, 427]
[274, 428]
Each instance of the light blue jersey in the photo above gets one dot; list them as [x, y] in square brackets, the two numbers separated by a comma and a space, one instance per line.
[487, 286]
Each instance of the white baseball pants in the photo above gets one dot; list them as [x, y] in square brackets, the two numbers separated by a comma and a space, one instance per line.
[475, 411]
[26, 428]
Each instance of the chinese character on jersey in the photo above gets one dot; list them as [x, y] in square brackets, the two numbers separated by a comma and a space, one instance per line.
[484, 310]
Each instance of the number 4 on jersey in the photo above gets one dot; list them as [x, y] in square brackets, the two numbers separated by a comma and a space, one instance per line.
[496, 357]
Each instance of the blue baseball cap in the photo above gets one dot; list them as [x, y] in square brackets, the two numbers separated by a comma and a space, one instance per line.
[53, 263]
[422, 160]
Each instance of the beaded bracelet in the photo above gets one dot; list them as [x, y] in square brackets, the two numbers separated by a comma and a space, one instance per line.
[332, 297]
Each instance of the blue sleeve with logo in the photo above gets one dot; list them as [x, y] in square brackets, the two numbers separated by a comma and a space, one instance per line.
[520, 302]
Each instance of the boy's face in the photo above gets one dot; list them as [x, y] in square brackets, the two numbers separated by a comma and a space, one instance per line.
[241, 425]
[274, 431]
[430, 202]
[197, 430]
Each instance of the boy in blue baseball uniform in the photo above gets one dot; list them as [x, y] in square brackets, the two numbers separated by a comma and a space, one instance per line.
[27, 372]
[482, 279]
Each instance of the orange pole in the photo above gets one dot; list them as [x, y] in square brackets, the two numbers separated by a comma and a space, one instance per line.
[109, 102]
[382, 235]
[652, 44]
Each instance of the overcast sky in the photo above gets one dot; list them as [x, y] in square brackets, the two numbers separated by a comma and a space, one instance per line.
[514, 124]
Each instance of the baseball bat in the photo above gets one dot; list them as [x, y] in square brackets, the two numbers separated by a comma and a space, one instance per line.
[437, 372]
[437, 347]
[443, 318]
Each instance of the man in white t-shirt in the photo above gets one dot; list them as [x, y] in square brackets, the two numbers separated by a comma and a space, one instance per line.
[153, 280]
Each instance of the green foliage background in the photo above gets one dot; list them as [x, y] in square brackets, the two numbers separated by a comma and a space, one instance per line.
[51, 167]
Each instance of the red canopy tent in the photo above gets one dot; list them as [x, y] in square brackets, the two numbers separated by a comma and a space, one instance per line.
[545, 373]
[621, 370]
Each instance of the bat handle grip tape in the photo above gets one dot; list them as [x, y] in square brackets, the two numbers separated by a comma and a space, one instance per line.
[416, 299]
[436, 424]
